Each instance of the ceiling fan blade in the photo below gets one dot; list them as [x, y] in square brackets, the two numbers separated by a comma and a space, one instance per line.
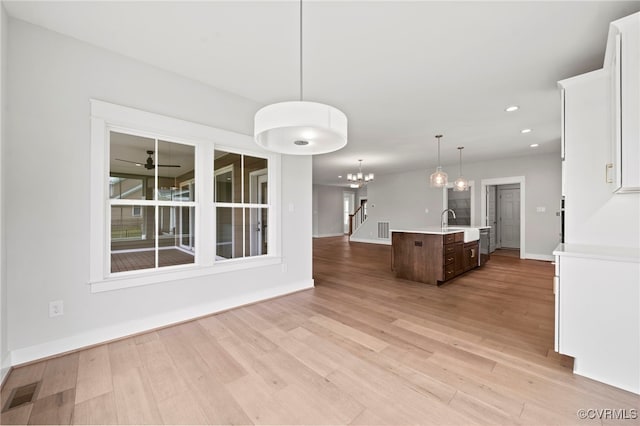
[168, 165]
[128, 161]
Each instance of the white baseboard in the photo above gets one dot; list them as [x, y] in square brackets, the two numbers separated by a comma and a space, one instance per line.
[106, 334]
[535, 256]
[328, 235]
[370, 241]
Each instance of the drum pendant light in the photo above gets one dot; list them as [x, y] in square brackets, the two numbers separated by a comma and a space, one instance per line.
[300, 127]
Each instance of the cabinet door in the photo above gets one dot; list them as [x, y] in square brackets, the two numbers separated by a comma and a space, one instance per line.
[470, 256]
[459, 263]
[625, 73]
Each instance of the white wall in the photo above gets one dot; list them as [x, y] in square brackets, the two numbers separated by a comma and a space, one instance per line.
[4, 351]
[328, 210]
[51, 78]
[402, 198]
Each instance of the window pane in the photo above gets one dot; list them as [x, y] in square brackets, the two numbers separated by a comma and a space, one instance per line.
[128, 158]
[127, 223]
[223, 186]
[229, 232]
[256, 232]
[132, 238]
[460, 202]
[176, 233]
[175, 163]
[227, 168]
[255, 180]
[187, 228]
[126, 188]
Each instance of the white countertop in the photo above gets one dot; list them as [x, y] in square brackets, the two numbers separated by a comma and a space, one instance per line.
[620, 254]
[439, 231]
[428, 230]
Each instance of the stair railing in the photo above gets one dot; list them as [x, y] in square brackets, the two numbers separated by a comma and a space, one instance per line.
[356, 219]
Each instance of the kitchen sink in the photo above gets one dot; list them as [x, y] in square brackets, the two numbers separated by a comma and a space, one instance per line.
[470, 234]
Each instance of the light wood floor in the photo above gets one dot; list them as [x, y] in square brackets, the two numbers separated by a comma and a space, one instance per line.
[360, 348]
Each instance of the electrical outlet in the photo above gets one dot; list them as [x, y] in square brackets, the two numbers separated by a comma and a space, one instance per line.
[56, 308]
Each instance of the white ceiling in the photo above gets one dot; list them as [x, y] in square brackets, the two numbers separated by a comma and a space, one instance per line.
[401, 71]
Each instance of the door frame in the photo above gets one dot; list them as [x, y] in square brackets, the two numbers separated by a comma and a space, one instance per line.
[483, 204]
[499, 199]
[217, 173]
[190, 183]
[351, 195]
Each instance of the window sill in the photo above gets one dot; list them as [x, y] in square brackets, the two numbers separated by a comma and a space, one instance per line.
[186, 272]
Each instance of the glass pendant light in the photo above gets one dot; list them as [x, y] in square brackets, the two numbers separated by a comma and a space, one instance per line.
[438, 179]
[461, 184]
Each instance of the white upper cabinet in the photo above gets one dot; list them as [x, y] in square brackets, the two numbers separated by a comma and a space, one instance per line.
[623, 60]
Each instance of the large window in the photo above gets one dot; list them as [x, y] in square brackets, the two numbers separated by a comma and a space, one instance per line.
[242, 205]
[152, 202]
[172, 199]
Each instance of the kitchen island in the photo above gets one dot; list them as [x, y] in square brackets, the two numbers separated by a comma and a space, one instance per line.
[435, 255]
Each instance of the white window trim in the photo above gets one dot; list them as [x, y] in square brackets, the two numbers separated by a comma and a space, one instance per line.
[106, 117]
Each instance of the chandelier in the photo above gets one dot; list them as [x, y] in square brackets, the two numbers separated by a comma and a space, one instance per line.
[358, 180]
[299, 127]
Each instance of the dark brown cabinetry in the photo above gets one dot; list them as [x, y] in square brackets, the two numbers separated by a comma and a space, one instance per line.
[453, 259]
[432, 258]
[470, 255]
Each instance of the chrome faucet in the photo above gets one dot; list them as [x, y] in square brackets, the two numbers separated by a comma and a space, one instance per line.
[442, 216]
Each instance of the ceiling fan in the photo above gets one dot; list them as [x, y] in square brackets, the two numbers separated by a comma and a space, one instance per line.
[149, 163]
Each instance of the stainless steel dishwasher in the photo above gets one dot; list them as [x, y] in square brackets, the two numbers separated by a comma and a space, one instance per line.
[483, 246]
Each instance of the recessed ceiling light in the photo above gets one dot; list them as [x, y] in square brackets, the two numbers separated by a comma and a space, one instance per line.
[525, 131]
[534, 145]
[512, 108]
[339, 177]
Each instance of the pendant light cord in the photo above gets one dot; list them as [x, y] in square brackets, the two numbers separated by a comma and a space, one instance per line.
[460, 149]
[300, 50]
[438, 137]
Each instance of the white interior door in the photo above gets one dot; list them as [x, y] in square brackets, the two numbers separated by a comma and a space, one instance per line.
[509, 202]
